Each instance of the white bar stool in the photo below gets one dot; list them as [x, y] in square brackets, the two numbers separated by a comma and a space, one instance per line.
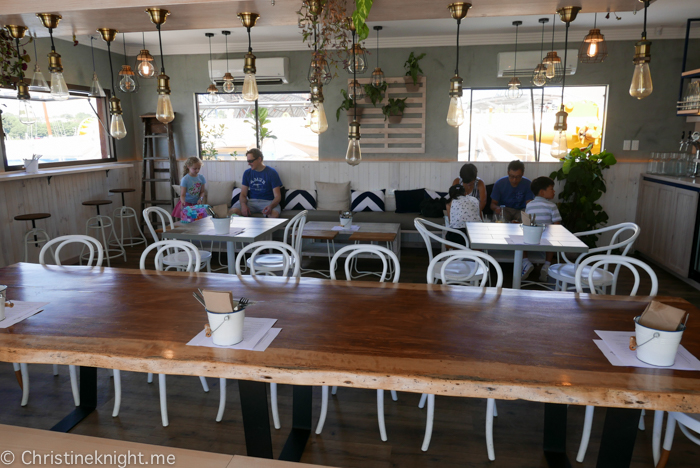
[104, 228]
[40, 236]
[125, 214]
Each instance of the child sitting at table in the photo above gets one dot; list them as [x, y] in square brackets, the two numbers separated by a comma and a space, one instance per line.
[461, 209]
[546, 213]
[192, 186]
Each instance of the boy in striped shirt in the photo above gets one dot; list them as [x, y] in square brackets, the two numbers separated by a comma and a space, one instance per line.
[546, 212]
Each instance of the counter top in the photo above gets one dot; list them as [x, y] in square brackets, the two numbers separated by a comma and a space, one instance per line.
[688, 181]
[64, 170]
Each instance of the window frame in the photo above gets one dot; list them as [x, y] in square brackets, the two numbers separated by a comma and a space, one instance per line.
[103, 115]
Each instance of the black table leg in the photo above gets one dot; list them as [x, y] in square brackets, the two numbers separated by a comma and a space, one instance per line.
[88, 400]
[619, 433]
[555, 435]
[256, 419]
[301, 424]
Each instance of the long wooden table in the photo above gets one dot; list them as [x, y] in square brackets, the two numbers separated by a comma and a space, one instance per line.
[446, 340]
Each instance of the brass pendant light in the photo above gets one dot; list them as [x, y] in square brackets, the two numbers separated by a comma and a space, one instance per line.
[250, 87]
[359, 62]
[513, 91]
[378, 75]
[164, 110]
[353, 155]
[117, 129]
[319, 74]
[538, 75]
[59, 89]
[560, 147]
[455, 112]
[641, 85]
[319, 70]
[128, 82]
[554, 72]
[318, 123]
[26, 113]
[144, 61]
[355, 89]
[228, 86]
[212, 92]
[593, 47]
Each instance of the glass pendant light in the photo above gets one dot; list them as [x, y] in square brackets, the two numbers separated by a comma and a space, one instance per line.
[212, 93]
[538, 75]
[59, 89]
[144, 61]
[228, 85]
[378, 75]
[552, 62]
[560, 147]
[318, 123]
[116, 125]
[26, 113]
[353, 155]
[593, 47]
[641, 85]
[128, 82]
[455, 112]
[513, 91]
[356, 89]
[250, 87]
[96, 89]
[38, 80]
[358, 64]
[319, 71]
[164, 109]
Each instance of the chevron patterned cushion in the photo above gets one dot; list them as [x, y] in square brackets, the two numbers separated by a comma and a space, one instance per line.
[367, 201]
[300, 200]
[235, 195]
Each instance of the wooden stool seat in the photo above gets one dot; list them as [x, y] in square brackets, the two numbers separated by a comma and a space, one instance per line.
[122, 190]
[97, 202]
[32, 216]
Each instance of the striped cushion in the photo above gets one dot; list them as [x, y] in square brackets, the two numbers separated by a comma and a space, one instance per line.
[367, 201]
[235, 195]
[435, 195]
[300, 200]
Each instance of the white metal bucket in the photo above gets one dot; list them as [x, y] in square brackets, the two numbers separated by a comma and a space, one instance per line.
[226, 328]
[31, 166]
[657, 347]
[222, 225]
[346, 222]
[532, 234]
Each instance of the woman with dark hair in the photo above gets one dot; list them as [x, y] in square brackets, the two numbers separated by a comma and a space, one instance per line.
[472, 184]
[461, 210]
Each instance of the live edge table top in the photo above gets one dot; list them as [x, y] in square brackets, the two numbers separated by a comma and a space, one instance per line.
[446, 340]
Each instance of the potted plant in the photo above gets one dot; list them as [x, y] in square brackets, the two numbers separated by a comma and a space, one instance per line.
[263, 121]
[413, 70]
[393, 110]
[582, 173]
[349, 106]
[375, 94]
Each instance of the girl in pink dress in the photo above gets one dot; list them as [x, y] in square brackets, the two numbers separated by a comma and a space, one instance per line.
[192, 186]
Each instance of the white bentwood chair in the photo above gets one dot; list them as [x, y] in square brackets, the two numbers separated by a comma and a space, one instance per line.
[563, 273]
[94, 247]
[272, 263]
[172, 260]
[686, 421]
[588, 269]
[164, 249]
[390, 264]
[442, 263]
[458, 270]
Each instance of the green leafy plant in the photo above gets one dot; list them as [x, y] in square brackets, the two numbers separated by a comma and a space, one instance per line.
[582, 172]
[9, 63]
[345, 105]
[263, 121]
[375, 94]
[208, 134]
[394, 107]
[413, 67]
[327, 33]
[359, 16]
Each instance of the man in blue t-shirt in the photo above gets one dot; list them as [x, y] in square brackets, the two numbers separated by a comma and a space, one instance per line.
[260, 189]
[513, 191]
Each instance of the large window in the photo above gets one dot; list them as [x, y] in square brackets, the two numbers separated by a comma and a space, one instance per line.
[65, 132]
[227, 128]
[502, 129]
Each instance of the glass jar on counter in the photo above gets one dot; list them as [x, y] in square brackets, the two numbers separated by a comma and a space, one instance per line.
[682, 165]
[671, 164]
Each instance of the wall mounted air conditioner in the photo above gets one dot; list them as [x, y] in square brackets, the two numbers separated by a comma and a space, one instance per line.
[269, 70]
[528, 60]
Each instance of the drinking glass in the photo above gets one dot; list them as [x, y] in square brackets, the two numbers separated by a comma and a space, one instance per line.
[651, 164]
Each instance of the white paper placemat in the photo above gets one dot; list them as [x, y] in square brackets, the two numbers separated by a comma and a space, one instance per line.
[615, 346]
[21, 311]
[353, 228]
[254, 330]
[202, 340]
[518, 240]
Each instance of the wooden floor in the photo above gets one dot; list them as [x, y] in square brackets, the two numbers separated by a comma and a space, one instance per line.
[350, 437]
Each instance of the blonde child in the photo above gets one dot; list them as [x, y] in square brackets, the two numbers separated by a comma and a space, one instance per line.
[192, 186]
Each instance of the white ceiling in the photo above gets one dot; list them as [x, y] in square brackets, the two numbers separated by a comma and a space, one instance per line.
[666, 20]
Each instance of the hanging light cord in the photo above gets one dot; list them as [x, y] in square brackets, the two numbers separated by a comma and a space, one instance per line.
[211, 72]
[143, 39]
[354, 79]
[644, 33]
[595, 20]
[226, 36]
[111, 70]
[124, 43]
[19, 57]
[92, 49]
[515, 65]
[160, 42]
[250, 47]
[377, 48]
[566, 51]
[542, 44]
[459, 21]
[554, 22]
[53, 47]
[35, 55]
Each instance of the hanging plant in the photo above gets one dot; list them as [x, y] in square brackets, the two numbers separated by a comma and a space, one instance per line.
[375, 94]
[359, 16]
[9, 65]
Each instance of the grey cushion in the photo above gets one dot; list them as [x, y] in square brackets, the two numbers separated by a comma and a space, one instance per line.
[333, 196]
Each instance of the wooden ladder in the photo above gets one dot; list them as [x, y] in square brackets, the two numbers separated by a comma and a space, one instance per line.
[153, 163]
